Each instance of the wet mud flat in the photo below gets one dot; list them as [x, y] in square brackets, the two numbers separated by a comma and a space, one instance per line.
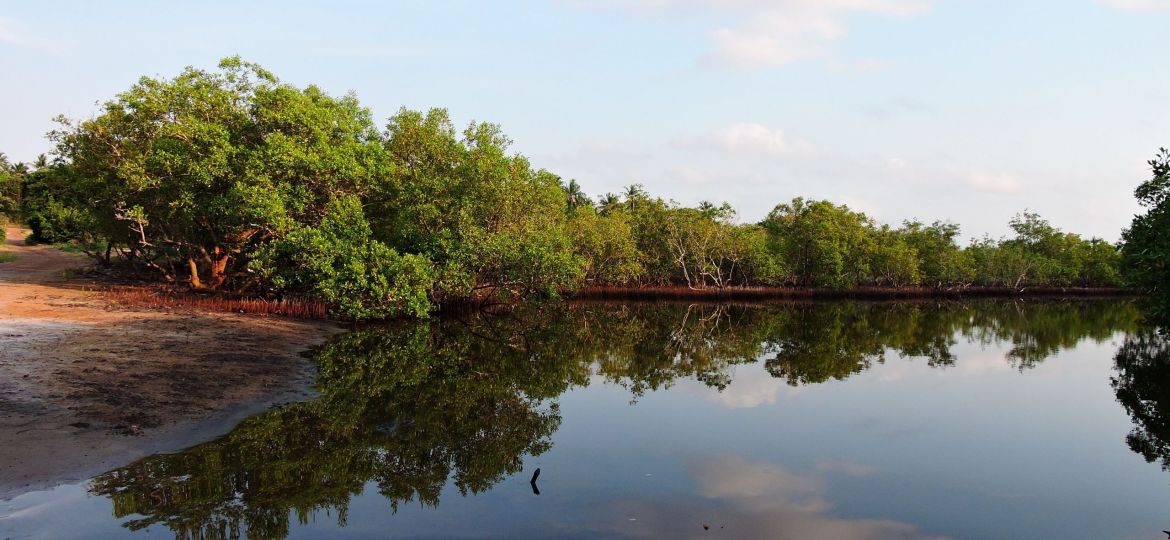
[88, 384]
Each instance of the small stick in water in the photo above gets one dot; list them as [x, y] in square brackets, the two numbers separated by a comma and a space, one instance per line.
[535, 475]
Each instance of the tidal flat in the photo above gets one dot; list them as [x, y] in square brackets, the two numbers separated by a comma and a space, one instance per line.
[87, 384]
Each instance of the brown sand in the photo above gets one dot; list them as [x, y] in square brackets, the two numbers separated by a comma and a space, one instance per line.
[87, 384]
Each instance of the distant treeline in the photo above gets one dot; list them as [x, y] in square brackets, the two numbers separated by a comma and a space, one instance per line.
[231, 180]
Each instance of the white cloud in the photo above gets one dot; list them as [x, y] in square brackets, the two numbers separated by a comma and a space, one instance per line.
[773, 40]
[750, 500]
[749, 388]
[776, 32]
[982, 362]
[751, 138]
[1138, 5]
[995, 183]
[732, 477]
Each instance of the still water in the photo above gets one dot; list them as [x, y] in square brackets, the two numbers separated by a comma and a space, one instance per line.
[996, 419]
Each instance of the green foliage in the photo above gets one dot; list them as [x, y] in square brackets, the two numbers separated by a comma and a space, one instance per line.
[824, 245]
[11, 178]
[752, 262]
[940, 259]
[194, 172]
[486, 218]
[667, 244]
[701, 242]
[894, 261]
[225, 179]
[1098, 263]
[1145, 257]
[649, 219]
[574, 197]
[55, 210]
[1041, 255]
[232, 180]
[343, 265]
[605, 243]
[997, 265]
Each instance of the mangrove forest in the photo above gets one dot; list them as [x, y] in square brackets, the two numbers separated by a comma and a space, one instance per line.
[230, 180]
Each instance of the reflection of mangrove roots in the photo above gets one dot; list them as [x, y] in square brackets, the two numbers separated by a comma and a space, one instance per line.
[535, 475]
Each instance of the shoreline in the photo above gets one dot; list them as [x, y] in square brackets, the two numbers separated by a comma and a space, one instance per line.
[76, 456]
[765, 294]
[88, 383]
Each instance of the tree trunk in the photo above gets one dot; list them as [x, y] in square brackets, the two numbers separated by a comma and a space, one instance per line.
[219, 264]
[196, 283]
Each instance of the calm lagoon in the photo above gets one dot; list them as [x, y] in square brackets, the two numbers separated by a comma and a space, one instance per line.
[989, 419]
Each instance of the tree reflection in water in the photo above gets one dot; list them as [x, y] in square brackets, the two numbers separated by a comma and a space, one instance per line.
[1142, 384]
[412, 407]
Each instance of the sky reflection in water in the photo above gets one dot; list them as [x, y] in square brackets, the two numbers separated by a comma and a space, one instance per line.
[842, 420]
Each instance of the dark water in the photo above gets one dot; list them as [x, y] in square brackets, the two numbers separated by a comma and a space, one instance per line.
[838, 420]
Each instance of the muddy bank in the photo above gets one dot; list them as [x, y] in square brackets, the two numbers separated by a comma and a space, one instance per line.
[87, 384]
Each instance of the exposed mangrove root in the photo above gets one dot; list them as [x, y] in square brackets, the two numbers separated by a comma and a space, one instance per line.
[167, 297]
[872, 293]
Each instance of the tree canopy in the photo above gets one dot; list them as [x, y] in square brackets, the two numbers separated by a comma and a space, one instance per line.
[231, 180]
[1145, 258]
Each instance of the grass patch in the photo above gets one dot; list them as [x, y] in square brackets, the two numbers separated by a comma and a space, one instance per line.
[70, 247]
[6, 256]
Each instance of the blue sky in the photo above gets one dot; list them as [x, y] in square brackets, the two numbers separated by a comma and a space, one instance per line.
[937, 109]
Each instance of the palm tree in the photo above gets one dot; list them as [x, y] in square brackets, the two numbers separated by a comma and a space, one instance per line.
[724, 211]
[608, 203]
[575, 198]
[634, 194]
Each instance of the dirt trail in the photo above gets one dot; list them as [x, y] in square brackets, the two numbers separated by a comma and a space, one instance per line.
[87, 384]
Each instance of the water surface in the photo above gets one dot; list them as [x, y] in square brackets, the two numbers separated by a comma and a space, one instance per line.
[993, 419]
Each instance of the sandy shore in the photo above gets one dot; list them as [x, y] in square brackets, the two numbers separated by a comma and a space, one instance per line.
[87, 384]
